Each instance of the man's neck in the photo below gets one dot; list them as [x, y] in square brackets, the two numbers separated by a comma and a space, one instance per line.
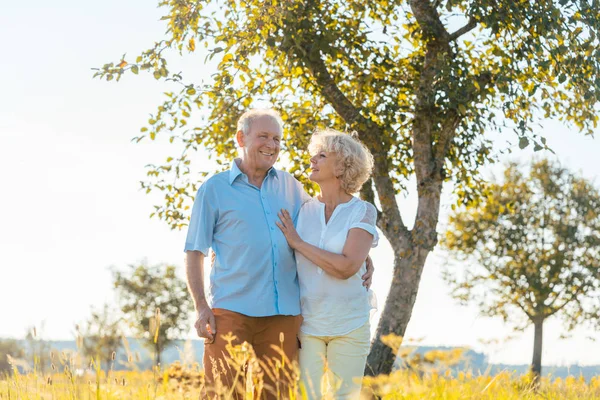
[255, 176]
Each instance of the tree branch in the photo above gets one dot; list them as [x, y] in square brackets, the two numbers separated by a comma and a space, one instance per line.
[574, 294]
[446, 136]
[522, 307]
[429, 21]
[436, 36]
[450, 124]
[429, 183]
[472, 24]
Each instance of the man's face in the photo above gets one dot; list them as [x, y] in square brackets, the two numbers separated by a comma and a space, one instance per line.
[261, 144]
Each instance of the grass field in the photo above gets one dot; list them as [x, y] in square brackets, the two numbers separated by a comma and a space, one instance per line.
[70, 379]
[183, 383]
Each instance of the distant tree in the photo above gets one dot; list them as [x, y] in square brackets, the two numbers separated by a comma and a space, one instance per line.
[9, 347]
[531, 247]
[155, 302]
[101, 335]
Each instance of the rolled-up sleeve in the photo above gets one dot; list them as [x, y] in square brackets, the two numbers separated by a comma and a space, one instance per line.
[366, 219]
[203, 221]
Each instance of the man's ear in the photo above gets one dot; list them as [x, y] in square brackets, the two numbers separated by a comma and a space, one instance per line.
[239, 137]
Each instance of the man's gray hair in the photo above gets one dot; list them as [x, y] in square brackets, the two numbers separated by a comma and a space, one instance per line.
[246, 119]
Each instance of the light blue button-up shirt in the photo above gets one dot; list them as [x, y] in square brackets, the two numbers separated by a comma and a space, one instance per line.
[255, 270]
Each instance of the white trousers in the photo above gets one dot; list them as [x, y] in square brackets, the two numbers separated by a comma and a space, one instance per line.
[332, 366]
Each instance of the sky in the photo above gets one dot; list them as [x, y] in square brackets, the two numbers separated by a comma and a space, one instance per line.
[69, 178]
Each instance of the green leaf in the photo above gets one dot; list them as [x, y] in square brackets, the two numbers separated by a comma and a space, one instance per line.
[135, 69]
[523, 142]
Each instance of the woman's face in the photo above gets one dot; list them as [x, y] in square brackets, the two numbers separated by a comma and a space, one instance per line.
[322, 167]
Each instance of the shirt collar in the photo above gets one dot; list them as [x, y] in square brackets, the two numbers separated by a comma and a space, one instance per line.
[235, 171]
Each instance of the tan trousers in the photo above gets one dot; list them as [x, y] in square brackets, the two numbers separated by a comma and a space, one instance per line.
[332, 366]
[261, 333]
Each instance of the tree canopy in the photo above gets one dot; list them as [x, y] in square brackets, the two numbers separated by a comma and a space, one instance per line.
[531, 248]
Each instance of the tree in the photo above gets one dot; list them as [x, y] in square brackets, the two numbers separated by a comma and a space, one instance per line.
[156, 303]
[9, 348]
[420, 81]
[531, 247]
[101, 335]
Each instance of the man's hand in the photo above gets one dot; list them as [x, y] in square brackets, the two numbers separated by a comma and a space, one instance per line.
[368, 276]
[205, 325]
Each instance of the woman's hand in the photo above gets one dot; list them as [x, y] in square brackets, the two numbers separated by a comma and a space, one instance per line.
[287, 227]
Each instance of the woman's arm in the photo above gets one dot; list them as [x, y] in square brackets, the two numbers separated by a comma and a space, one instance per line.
[342, 266]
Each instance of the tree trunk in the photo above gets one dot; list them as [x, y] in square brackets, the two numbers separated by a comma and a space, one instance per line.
[398, 309]
[536, 362]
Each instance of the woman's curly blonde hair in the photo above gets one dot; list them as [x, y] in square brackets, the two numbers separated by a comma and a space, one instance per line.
[354, 160]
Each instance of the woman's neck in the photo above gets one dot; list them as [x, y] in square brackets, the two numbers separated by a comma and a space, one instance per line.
[333, 195]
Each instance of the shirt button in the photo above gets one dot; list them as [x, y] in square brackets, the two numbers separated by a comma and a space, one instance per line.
[272, 228]
[268, 212]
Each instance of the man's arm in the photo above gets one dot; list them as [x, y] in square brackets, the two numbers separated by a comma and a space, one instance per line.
[205, 320]
[368, 276]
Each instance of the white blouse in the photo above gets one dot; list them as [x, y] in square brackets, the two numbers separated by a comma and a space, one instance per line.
[333, 306]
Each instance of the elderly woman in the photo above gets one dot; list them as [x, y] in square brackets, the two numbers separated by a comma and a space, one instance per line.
[334, 233]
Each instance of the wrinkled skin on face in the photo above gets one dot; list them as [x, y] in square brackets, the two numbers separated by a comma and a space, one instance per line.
[261, 145]
[323, 167]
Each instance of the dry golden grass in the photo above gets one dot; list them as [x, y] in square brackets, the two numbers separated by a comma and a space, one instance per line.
[181, 383]
[69, 381]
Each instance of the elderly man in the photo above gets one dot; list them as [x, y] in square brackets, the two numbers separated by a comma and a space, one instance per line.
[253, 291]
